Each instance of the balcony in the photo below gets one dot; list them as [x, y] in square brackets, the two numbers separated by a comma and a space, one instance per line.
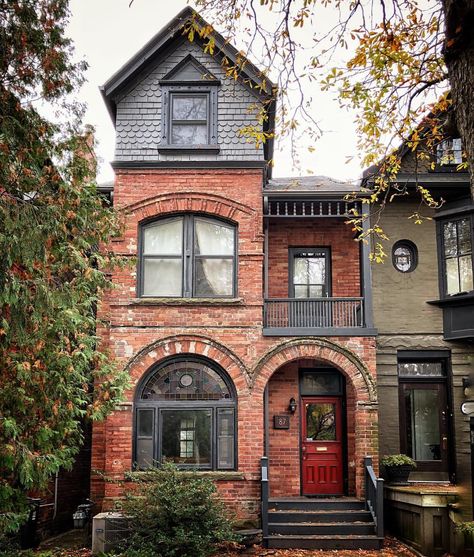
[315, 317]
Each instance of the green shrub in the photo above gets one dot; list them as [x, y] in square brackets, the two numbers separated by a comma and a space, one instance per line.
[173, 514]
[398, 460]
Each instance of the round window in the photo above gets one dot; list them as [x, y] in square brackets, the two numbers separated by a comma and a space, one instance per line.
[404, 256]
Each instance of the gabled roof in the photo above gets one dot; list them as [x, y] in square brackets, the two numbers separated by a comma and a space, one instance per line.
[160, 41]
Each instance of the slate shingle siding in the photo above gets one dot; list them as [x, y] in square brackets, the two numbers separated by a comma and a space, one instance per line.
[139, 116]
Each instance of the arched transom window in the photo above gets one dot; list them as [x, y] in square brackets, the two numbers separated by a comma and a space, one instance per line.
[189, 256]
[185, 413]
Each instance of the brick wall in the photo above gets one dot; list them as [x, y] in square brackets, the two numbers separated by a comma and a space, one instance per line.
[141, 333]
[332, 233]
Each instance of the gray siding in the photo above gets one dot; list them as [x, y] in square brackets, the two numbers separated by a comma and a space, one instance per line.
[139, 114]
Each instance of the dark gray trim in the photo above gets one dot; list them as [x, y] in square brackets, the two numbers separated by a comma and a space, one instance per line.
[366, 268]
[205, 77]
[319, 332]
[169, 32]
[186, 149]
[422, 355]
[117, 164]
[187, 256]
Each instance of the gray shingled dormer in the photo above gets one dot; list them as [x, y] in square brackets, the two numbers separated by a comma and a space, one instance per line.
[173, 103]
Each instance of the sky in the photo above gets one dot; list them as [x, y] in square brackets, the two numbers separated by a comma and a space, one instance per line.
[107, 33]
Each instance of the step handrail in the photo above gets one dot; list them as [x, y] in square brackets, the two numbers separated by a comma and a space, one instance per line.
[265, 496]
[374, 496]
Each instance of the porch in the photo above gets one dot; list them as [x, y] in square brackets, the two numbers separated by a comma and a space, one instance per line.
[316, 275]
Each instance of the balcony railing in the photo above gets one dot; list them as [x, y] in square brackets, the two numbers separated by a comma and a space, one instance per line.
[307, 315]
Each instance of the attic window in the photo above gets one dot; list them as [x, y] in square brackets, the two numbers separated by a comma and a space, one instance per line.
[449, 152]
[189, 119]
[189, 108]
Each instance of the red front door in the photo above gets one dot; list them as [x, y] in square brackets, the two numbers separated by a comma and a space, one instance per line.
[321, 444]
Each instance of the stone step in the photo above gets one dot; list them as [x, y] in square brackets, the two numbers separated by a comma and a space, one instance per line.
[304, 503]
[322, 529]
[313, 516]
[323, 542]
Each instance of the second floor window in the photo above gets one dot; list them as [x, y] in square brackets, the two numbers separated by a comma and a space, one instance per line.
[187, 256]
[457, 255]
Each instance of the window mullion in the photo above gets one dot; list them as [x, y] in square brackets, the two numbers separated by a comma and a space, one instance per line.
[188, 256]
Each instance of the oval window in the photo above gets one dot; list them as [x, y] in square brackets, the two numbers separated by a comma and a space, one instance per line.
[404, 256]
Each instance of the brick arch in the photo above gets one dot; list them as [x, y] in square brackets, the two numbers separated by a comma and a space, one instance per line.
[319, 349]
[196, 202]
[193, 345]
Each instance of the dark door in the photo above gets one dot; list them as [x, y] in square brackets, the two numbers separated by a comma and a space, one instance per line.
[424, 421]
[321, 445]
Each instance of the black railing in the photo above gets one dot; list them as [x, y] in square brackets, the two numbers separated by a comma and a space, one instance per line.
[374, 496]
[265, 496]
[314, 313]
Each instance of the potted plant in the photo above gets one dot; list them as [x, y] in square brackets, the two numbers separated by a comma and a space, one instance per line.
[398, 468]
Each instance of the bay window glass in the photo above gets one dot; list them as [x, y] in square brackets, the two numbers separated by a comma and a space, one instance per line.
[457, 256]
[188, 256]
[185, 414]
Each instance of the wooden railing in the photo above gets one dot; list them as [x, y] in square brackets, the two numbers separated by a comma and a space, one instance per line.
[314, 313]
[265, 496]
[374, 496]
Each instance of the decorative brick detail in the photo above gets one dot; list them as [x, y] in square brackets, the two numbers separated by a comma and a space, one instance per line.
[192, 345]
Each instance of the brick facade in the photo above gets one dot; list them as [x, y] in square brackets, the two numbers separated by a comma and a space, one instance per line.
[228, 332]
[139, 333]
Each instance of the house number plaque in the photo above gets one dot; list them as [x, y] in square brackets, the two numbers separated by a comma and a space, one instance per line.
[281, 422]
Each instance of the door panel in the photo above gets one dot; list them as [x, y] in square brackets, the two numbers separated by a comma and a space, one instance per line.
[321, 444]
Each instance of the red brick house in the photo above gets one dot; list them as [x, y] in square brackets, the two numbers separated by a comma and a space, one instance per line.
[244, 318]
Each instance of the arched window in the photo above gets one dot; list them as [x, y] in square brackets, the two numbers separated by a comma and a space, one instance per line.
[189, 256]
[185, 413]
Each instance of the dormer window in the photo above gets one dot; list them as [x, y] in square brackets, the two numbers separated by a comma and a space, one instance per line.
[449, 152]
[189, 118]
[189, 110]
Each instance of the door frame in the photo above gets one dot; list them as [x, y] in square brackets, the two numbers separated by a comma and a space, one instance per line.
[443, 357]
[341, 394]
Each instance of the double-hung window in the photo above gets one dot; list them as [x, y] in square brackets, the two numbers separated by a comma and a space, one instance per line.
[457, 259]
[187, 256]
[449, 152]
[189, 118]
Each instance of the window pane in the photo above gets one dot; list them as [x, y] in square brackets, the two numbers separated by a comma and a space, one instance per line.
[144, 453]
[421, 369]
[145, 422]
[320, 422]
[190, 108]
[452, 276]
[163, 238]
[422, 413]
[211, 238]
[186, 436]
[225, 438]
[184, 381]
[189, 134]
[162, 277]
[450, 239]
[321, 384]
[213, 277]
[465, 271]
[403, 259]
[464, 236]
[317, 291]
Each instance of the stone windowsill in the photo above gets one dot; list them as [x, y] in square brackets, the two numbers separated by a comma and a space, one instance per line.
[141, 475]
[187, 302]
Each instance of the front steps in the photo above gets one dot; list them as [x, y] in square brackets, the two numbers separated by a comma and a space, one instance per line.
[333, 523]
